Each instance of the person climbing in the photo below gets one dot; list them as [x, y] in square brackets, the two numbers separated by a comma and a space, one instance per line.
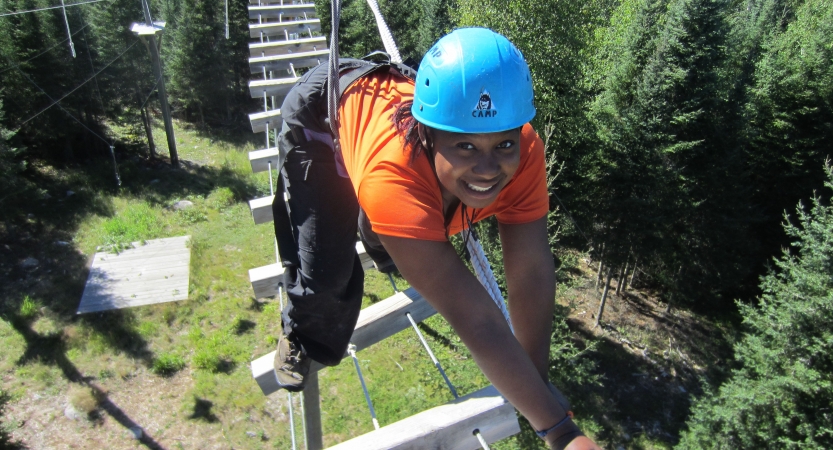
[417, 161]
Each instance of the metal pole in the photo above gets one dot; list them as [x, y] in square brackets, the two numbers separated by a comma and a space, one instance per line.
[163, 95]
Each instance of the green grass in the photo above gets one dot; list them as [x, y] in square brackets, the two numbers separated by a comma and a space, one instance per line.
[211, 337]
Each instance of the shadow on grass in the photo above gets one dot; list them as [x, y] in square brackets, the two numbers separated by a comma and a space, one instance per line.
[202, 411]
[39, 261]
[50, 350]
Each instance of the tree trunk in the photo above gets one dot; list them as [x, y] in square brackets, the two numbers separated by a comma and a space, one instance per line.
[633, 273]
[604, 297]
[619, 280]
[599, 272]
[624, 281]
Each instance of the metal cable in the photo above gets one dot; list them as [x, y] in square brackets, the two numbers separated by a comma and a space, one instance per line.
[48, 8]
[351, 349]
[14, 66]
[55, 102]
[433, 358]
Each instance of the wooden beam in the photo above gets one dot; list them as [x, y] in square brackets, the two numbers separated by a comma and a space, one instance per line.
[259, 120]
[282, 62]
[449, 426]
[262, 209]
[302, 44]
[265, 280]
[302, 27]
[376, 323]
[261, 159]
[281, 11]
[277, 87]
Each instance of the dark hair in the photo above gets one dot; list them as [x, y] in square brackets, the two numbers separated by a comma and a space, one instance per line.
[406, 126]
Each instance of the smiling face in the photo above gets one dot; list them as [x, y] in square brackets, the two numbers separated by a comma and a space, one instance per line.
[474, 167]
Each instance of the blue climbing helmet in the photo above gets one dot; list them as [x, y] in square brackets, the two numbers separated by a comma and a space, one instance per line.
[473, 80]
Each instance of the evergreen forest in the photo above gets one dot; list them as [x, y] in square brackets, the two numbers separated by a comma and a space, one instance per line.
[688, 141]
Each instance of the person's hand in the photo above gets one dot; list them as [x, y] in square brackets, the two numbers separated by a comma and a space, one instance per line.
[582, 443]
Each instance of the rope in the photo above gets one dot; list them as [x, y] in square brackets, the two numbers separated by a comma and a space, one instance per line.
[332, 76]
[484, 273]
[48, 8]
[384, 32]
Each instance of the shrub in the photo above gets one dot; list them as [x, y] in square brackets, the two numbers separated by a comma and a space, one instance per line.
[167, 364]
[83, 399]
[28, 308]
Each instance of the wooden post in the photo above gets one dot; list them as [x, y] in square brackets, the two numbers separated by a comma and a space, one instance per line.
[312, 414]
[153, 47]
[604, 297]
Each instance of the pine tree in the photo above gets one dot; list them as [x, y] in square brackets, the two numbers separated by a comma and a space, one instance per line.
[671, 178]
[781, 395]
[790, 111]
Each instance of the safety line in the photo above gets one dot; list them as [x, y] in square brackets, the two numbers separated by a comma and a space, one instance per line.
[55, 102]
[15, 13]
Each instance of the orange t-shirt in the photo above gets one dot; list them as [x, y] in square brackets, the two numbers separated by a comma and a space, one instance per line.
[403, 198]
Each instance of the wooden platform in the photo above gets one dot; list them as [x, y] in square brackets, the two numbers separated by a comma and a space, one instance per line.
[156, 271]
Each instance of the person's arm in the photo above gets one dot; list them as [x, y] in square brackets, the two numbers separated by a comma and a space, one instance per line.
[436, 272]
[530, 280]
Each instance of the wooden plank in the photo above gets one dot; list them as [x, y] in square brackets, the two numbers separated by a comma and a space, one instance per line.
[259, 120]
[277, 87]
[282, 62]
[281, 11]
[153, 271]
[262, 209]
[260, 160]
[265, 279]
[376, 323]
[305, 27]
[449, 426]
[285, 47]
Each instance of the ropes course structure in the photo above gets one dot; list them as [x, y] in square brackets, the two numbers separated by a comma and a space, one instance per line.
[287, 39]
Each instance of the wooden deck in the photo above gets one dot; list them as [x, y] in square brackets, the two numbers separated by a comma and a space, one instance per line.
[155, 272]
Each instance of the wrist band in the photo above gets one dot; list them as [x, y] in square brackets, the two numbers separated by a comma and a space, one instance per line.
[544, 433]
